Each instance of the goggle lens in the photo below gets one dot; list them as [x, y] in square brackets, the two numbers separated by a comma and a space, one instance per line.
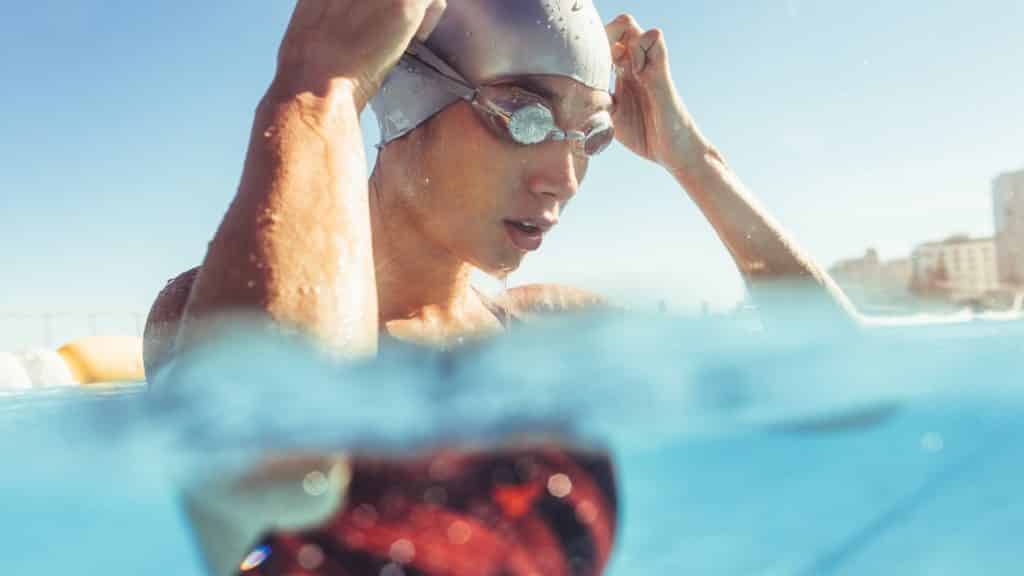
[525, 119]
[532, 124]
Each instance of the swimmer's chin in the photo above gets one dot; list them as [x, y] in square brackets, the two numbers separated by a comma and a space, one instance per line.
[508, 263]
[504, 271]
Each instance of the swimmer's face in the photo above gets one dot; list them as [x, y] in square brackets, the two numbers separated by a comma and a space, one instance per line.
[478, 188]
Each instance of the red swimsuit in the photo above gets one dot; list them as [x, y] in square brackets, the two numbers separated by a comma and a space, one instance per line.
[537, 510]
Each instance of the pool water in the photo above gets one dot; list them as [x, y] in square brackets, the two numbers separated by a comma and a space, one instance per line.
[736, 453]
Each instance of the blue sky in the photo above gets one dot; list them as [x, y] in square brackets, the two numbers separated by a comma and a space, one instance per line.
[857, 124]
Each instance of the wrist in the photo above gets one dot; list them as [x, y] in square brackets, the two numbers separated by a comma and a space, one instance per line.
[293, 109]
[690, 154]
[316, 90]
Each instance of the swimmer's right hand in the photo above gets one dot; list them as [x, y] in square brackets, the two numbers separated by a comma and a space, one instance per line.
[351, 43]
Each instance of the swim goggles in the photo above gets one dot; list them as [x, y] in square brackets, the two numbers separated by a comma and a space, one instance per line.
[513, 113]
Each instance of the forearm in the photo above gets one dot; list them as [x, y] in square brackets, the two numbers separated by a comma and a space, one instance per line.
[295, 244]
[779, 275]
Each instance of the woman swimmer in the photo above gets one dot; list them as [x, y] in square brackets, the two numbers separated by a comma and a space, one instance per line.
[490, 112]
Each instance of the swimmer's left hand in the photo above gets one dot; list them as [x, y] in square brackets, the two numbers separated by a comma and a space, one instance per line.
[650, 118]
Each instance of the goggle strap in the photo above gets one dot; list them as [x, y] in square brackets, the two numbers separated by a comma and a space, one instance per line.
[420, 55]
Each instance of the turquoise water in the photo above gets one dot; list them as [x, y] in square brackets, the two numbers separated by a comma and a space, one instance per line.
[737, 452]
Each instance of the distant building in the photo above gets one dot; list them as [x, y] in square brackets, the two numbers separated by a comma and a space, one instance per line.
[957, 269]
[870, 281]
[1008, 205]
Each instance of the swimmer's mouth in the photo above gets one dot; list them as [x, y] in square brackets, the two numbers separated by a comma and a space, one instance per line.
[527, 234]
[531, 226]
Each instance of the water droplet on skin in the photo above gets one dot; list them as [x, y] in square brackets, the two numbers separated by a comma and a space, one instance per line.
[315, 483]
[402, 551]
[310, 557]
[459, 532]
[559, 485]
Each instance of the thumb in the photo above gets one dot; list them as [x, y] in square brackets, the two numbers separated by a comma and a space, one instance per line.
[431, 18]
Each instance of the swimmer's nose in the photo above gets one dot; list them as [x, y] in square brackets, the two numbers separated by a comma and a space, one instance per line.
[555, 172]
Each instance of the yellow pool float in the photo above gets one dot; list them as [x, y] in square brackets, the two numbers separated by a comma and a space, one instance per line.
[99, 359]
[86, 361]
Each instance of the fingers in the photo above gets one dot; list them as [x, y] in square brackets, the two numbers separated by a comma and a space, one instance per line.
[431, 18]
[647, 49]
[634, 48]
[308, 13]
[617, 28]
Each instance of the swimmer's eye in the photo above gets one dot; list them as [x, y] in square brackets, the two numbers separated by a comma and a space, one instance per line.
[532, 124]
[525, 119]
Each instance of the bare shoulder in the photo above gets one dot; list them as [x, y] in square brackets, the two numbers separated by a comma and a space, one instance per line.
[544, 299]
[164, 318]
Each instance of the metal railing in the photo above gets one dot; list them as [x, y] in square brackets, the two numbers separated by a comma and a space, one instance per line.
[21, 330]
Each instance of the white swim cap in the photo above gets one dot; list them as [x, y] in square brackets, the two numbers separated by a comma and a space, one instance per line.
[486, 41]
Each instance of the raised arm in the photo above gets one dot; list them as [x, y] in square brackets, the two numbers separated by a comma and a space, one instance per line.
[780, 277]
[652, 121]
[295, 245]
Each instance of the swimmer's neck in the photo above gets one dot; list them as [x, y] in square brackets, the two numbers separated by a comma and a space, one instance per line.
[416, 278]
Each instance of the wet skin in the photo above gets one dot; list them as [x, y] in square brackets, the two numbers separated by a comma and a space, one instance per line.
[310, 242]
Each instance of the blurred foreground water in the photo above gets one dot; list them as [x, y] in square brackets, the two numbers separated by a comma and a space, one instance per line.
[736, 452]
